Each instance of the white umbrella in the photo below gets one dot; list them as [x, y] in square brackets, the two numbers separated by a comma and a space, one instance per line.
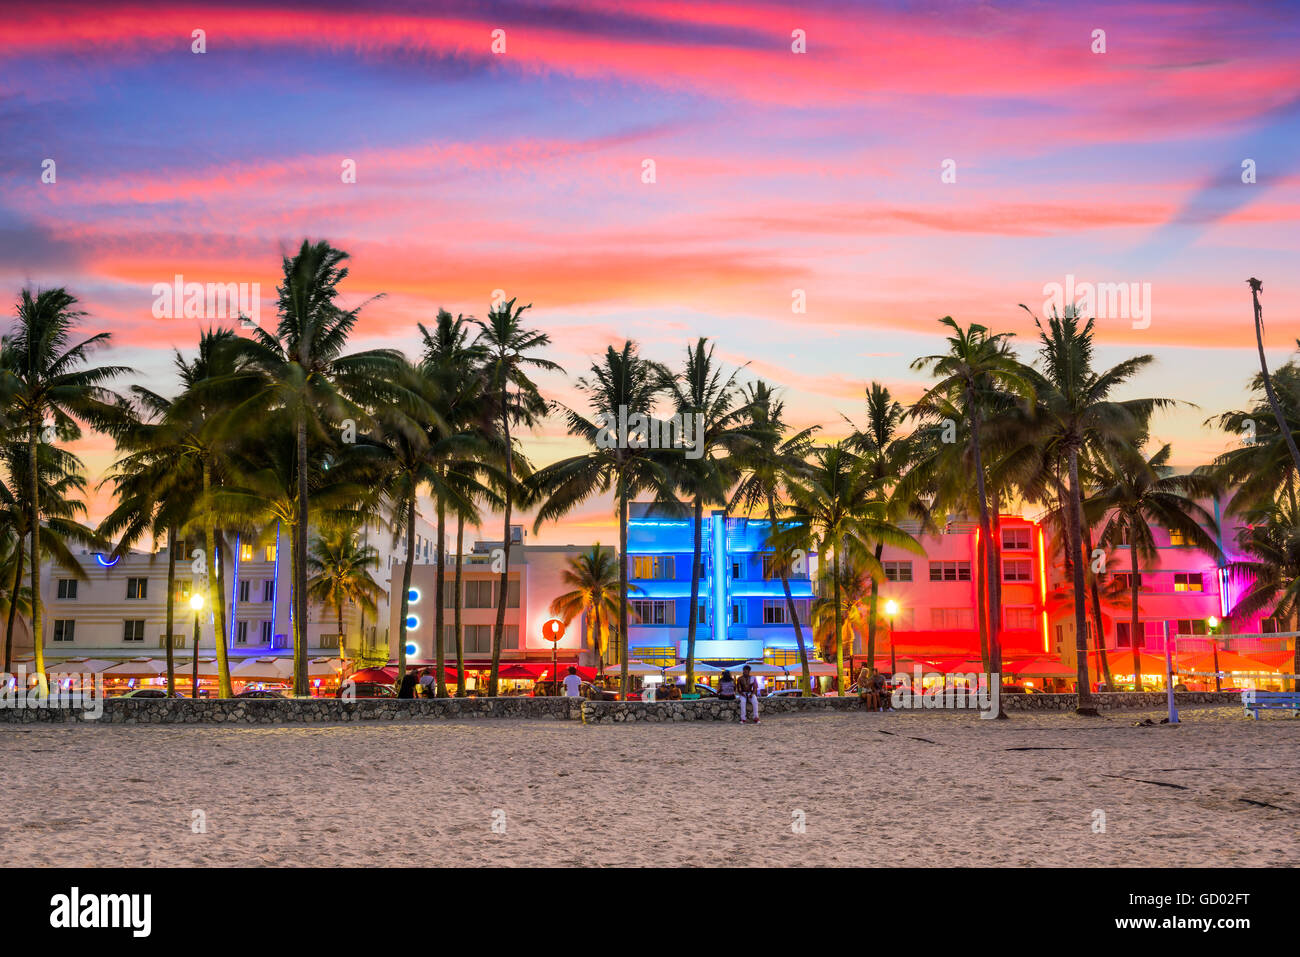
[639, 668]
[700, 669]
[815, 668]
[78, 666]
[262, 669]
[321, 668]
[207, 668]
[762, 668]
[138, 668]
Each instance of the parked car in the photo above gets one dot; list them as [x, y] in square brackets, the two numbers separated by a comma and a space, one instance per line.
[147, 693]
[365, 689]
[266, 693]
[786, 693]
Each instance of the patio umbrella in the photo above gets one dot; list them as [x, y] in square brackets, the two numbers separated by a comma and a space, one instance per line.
[517, 673]
[138, 668]
[639, 668]
[1228, 661]
[772, 671]
[207, 668]
[375, 676]
[263, 669]
[324, 667]
[79, 666]
[1039, 668]
[819, 668]
[701, 668]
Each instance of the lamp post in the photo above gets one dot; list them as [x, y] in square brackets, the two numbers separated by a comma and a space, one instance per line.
[891, 609]
[196, 602]
[1214, 646]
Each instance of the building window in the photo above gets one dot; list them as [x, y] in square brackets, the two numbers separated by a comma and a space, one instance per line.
[133, 629]
[67, 588]
[478, 594]
[653, 612]
[702, 614]
[65, 629]
[1015, 539]
[1124, 634]
[950, 571]
[510, 639]
[1177, 538]
[1190, 626]
[652, 566]
[952, 619]
[512, 593]
[1019, 618]
[245, 553]
[266, 633]
[1124, 580]
[777, 612]
[1270, 626]
[1188, 581]
[898, 571]
[737, 569]
[137, 588]
[737, 613]
[268, 589]
[241, 632]
[1017, 570]
[244, 590]
[270, 553]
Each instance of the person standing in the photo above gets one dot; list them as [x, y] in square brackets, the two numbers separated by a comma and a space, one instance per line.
[572, 683]
[747, 688]
[407, 688]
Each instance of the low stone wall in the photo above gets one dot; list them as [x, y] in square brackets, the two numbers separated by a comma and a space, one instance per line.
[331, 710]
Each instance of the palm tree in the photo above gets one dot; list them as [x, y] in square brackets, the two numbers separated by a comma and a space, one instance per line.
[837, 508]
[701, 392]
[321, 387]
[1135, 493]
[1256, 287]
[623, 381]
[1262, 470]
[340, 567]
[835, 625]
[515, 400]
[976, 372]
[46, 377]
[771, 460]
[1271, 571]
[594, 578]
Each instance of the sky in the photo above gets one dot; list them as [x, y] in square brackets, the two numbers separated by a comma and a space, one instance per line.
[916, 160]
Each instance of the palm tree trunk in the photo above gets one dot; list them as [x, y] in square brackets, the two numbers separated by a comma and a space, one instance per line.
[1095, 594]
[695, 591]
[873, 611]
[1255, 287]
[215, 597]
[34, 521]
[994, 558]
[498, 632]
[982, 604]
[598, 641]
[171, 610]
[438, 610]
[805, 679]
[1073, 525]
[455, 612]
[406, 585]
[840, 674]
[1134, 638]
[990, 570]
[13, 608]
[622, 591]
[300, 567]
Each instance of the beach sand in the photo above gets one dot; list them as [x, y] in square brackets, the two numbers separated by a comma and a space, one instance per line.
[933, 789]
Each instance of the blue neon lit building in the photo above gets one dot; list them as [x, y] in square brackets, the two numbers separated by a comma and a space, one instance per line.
[742, 609]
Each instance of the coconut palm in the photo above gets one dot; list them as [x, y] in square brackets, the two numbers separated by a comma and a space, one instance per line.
[340, 573]
[515, 400]
[324, 390]
[1256, 287]
[1260, 470]
[837, 509]
[976, 375]
[771, 460]
[625, 382]
[1136, 492]
[835, 625]
[1270, 571]
[1076, 412]
[701, 394]
[594, 580]
[46, 378]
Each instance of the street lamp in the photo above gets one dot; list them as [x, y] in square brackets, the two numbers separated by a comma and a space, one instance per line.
[1214, 646]
[891, 610]
[196, 602]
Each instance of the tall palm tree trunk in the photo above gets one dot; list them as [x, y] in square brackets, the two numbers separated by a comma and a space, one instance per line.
[171, 610]
[1135, 638]
[34, 520]
[1073, 524]
[805, 679]
[840, 674]
[1094, 592]
[622, 591]
[994, 558]
[455, 609]
[990, 569]
[13, 608]
[215, 597]
[1255, 287]
[597, 640]
[498, 632]
[695, 591]
[981, 604]
[873, 611]
[406, 585]
[300, 567]
[438, 611]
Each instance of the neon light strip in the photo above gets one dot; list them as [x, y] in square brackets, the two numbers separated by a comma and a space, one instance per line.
[234, 595]
[721, 573]
[275, 593]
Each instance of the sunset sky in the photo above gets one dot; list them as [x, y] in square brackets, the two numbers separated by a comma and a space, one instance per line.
[775, 171]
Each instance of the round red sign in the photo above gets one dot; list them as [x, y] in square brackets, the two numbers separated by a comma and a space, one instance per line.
[553, 629]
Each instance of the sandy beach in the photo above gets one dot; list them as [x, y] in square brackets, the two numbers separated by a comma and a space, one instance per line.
[928, 789]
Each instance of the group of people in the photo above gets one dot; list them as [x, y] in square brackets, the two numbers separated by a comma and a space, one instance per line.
[744, 689]
[872, 690]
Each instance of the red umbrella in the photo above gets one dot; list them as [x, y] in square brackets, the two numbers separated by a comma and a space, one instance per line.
[586, 674]
[516, 672]
[376, 676]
